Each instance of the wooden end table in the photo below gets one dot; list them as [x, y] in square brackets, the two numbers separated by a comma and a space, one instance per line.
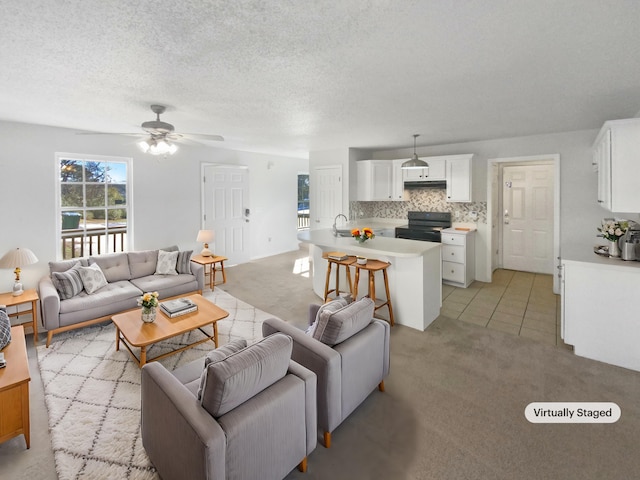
[29, 296]
[211, 261]
[134, 333]
[14, 389]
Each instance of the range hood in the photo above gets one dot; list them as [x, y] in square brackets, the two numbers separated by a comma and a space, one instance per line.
[426, 184]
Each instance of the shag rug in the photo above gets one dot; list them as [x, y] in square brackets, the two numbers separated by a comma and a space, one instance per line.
[92, 392]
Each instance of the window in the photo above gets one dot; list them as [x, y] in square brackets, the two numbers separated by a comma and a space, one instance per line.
[303, 201]
[94, 204]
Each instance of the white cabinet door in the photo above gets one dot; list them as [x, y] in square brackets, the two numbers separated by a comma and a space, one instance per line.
[437, 168]
[414, 174]
[616, 153]
[397, 189]
[375, 180]
[459, 178]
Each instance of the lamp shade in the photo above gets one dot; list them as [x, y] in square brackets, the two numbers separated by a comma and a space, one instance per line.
[205, 236]
[18, 257]
[414, 162]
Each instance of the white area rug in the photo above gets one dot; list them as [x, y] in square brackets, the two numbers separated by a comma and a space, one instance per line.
[92, 393]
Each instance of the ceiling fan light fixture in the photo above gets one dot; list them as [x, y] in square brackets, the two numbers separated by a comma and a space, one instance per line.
[158, 146]
[414, 161]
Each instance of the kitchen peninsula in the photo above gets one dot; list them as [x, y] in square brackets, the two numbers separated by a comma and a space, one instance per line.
[415, 274]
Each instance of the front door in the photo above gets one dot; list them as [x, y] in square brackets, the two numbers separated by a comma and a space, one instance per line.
[226, 211]
[327, 196]
[527, 217]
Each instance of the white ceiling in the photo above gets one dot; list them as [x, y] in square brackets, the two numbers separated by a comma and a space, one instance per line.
[292, 76]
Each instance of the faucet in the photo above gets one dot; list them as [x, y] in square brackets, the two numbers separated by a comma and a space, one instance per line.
[335, 227]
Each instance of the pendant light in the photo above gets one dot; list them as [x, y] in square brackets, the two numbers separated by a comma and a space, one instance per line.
[415, 162]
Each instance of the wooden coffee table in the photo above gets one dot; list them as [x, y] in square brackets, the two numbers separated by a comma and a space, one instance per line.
[134, 333]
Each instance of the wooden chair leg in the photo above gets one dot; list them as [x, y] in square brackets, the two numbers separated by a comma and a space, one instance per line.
[326, 283]
[381, 386]
[327, 439]
[302, 466]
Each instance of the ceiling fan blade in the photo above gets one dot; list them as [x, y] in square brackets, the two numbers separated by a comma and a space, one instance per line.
[114, 133]
[202, 136]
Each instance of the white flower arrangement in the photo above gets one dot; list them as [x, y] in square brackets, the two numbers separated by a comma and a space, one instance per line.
[612, 230]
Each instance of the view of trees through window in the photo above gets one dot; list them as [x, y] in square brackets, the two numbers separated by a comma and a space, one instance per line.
[93, 206]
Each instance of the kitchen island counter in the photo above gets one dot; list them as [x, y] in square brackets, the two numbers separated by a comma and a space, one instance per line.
[415, 274]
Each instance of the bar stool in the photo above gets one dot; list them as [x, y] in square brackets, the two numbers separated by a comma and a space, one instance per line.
[373, 266]
[330, 263]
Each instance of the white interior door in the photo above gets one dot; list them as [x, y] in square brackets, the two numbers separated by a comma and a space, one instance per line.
[327, 196]
[527, 217]
[226, 211]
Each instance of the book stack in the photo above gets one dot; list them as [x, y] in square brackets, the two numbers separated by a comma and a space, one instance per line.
[337, 255]
[180, 306]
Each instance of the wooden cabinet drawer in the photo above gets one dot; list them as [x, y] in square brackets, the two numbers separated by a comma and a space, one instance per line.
[453, 272]
[452, 239]
[453, 253]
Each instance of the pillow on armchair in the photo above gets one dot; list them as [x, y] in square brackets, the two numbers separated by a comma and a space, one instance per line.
[336, 326]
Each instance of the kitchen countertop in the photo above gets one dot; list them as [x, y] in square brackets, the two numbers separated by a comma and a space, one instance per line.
[393, 247]
[584, 253]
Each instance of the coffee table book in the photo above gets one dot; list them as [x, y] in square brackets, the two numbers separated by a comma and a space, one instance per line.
[337, 255]
[177, 305]
[184, 311]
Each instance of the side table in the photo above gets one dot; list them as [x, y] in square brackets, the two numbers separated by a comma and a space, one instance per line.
[29, 296]
[14, 389]
[211, 261]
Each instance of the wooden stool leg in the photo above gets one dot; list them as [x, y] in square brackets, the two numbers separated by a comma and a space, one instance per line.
[355, 284]
[337, 289]
[372, 285]
[386, 289]
[326, 283]
[349, 280]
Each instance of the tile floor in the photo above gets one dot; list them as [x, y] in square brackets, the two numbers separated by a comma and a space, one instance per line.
[519, 303]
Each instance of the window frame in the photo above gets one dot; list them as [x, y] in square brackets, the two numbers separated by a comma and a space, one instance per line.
[128, 207]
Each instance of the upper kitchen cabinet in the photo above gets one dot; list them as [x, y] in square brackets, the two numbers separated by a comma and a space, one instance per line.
[616, 158]
[436, 170]
[458, 176]
[380, 180]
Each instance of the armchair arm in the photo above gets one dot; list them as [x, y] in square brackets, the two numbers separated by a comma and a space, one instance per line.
[180, 437]
[321, 359]
[310, 380]
[49, 303]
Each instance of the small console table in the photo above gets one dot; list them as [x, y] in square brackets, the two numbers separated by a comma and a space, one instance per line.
[29, 296]
[211, 261]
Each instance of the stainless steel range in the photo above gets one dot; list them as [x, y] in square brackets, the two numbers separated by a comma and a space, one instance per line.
[425, 226]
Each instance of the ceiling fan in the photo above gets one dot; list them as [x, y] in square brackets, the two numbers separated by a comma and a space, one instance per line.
[161, 135]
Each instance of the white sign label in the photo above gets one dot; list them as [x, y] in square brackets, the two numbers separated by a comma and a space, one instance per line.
[572, 412]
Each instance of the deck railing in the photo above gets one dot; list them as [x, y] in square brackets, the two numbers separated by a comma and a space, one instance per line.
[303, 220]
[78, 242]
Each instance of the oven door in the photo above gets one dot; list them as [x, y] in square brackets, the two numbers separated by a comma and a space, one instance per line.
[418, 234]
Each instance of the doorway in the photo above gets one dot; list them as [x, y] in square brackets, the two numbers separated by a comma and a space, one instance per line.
[327, 195]
[524, 209]
[226, 210]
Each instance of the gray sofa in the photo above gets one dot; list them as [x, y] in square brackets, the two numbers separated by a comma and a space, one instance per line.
[349, 352]
[250, 413]
[128, 276]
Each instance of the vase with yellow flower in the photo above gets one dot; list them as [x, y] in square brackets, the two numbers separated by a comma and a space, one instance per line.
[362, 235]
[149, 304]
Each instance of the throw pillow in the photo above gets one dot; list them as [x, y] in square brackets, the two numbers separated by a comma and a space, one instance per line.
[183, 264]
[166, 263]
[218, 355]
[336, 327]
[68, 283]
[332, 306]
[5, 328]
[92, 278]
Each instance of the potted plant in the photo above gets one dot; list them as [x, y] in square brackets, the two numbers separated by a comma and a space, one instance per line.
[612, 231]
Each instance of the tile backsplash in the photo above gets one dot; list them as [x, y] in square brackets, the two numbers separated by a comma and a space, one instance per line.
[424, 200]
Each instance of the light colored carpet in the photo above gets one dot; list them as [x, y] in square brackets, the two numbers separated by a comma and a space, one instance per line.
[92, 393]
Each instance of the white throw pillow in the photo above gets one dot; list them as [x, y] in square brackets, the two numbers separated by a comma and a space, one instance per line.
[166, 263]
[92, 278]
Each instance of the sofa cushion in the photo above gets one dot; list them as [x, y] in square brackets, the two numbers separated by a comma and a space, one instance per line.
[166, 263]
[143, 263]
[183, 264]
[68, 283]
[218, 355]
[244, 374]
[92, 278]
[332, 306]
[115, 266]
[115, 297]
[336, 326]
[164, 283]
[65, 265]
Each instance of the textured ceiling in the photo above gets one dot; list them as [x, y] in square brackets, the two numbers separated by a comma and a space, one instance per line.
[292, 76]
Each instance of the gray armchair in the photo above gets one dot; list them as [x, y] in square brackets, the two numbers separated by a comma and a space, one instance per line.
[255, 419]
[350, 364]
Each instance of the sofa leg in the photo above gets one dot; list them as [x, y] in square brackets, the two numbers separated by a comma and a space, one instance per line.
[381, 386]
[49, 337]
[327, 439]
[302, 466]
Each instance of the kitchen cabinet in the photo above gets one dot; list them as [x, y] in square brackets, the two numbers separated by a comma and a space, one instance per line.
[380, 180]
[616, 158]
[436, 170]
[599, 301]
[459, 176]
[458, 257]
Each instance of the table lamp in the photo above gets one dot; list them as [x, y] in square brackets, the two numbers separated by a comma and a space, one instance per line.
[205, 236]
[18, 257]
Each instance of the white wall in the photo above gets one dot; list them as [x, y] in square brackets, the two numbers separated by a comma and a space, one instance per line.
[167, 193]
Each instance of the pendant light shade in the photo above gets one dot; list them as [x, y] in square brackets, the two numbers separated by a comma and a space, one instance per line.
[414, 162]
